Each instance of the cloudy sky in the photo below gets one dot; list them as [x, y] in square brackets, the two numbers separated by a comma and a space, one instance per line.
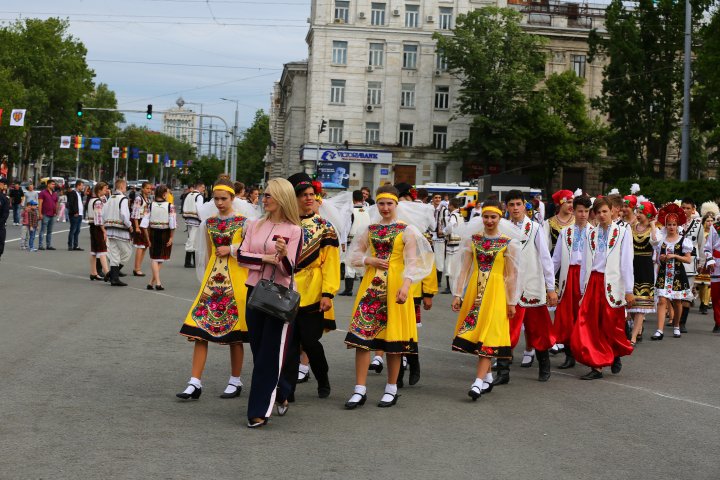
[154, 51]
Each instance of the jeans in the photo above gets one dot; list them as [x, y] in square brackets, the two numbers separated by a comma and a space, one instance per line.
[31, 239]
[47, 226]
[16, 213]
[74, 234]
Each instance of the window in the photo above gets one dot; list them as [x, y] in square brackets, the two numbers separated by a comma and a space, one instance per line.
[440, 137]
[406, 134]
[377, 13]
[412, 16]
[407, 95]
[441, 62]
[377, 51]
[342, 10]
[374, 95]
[335, 129]
[337, 91]
[445, 20]
[410, 53]
[372, 133]
[578, 65]
[339, 53]
[442, 97]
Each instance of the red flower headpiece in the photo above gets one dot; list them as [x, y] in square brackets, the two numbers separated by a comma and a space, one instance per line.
[317, 186]
[671, 211]
[413, 193]
[630, 200]
[648, 209]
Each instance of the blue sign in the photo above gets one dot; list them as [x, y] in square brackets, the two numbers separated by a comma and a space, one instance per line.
[333, 174]
[384, 171]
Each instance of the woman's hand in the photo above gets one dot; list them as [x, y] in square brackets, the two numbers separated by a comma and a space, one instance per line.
[402, 295]
[281, 247]
[223, 251]
[511, 311]
[630, 299]
[325, 304]
[456, 304]
[378, 263]
[169, 242]
[271, 259]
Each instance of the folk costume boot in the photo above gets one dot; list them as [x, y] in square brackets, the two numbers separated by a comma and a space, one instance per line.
[447, 286]
[414, 364]
[115, 277]
[683, 318]
[188, 257]
[349, 283]
[543, 357]
[120, 273]
[569, 359]
[503, 372]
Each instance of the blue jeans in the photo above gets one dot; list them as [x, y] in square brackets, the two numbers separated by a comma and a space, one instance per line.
[74, 234]
[31, 239]
[47, 226]
[16, 213]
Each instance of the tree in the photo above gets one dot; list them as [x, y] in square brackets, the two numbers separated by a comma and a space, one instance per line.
[559, 129]
[206, 170]
[498, 65]
[642, 85]
[151, 142]
[706, 94]
[252, 148]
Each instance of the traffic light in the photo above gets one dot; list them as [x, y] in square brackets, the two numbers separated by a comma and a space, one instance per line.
[79, 110]
[323, 126]
[148, 114]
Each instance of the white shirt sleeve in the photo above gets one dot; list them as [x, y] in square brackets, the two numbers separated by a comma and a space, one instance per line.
[547, 262]
[626, 262]
[125, 213]
[557, 253]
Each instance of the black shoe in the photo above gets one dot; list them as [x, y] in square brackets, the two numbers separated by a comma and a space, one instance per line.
[138, 274]
[657, 336]
[716, 329]
[115, 278]
[501, 379]
[529, 364]
[236, 393]
[159, 288]
[414, 364]
[188, 263]
[616, 365]
[194, 395]
[383, 404]
[568, 363]
[683, 329]
[352, 405]
[150, 287]
[97, 277]
[78, 249]
[487, 390]
[323, 391]
[41, 248]
[51, 248]
[257, 422]
[305, 377]
[475, 392]
[543, 365]
[703, 309]
[592, 375]
[376, 367]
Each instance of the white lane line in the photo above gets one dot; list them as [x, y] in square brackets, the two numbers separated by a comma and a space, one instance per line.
[38, 234]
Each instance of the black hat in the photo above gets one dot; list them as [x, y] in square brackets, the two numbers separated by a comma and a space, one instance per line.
[3, 180]
[300, 181]
[403, 189]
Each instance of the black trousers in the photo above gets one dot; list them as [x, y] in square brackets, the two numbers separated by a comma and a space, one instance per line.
[3, 234]
[269, 344]
[307, 334]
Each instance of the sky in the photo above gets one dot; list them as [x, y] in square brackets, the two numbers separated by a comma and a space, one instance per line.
[155, 51]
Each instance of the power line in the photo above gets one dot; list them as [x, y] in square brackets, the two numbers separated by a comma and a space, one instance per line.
[147, 22]
[183, 64]
[111, 15]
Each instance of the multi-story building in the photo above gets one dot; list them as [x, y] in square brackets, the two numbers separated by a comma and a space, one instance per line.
[376, 83]
[181, 124]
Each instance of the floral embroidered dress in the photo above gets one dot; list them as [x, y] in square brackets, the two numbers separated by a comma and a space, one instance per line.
[644, 270]
[488, 284]
[672, 281]
[218, 313]
[378, 322]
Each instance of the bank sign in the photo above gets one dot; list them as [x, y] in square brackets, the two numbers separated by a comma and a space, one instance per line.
[362, 156]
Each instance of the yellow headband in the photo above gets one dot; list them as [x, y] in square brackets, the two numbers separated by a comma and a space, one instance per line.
[387, 195]
[226, 188]
[492, 210]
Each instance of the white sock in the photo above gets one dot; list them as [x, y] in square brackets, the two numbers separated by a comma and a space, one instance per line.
[304, 368]
[233, 384]
[560, 346]
[404, 362]
[676, 331]
[478, 383]
[390, 392]
[658, 332]
[377, 360]
[488, 378]
[529, 353]
[193, 384]
[360, 389]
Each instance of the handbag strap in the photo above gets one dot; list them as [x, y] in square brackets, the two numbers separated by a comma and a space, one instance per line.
[292, 275]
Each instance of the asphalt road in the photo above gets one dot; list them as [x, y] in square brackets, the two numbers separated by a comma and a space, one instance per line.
[89, 375]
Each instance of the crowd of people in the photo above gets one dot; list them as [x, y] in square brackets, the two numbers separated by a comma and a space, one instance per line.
[580, 282]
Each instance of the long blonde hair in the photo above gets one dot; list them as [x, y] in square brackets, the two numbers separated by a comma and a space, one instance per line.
[284, 194]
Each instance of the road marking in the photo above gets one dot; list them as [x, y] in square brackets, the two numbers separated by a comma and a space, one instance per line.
[38, 234]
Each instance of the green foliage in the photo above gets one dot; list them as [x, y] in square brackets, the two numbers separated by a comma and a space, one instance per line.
[663, 190]
[205, 170]
[642, 85]
[498, 65]
[706, 95]
[149, 141]
[251, 150]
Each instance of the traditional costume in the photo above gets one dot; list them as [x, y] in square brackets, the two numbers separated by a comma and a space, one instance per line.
[712, 255]
[139, 210]
[360, 221]
[93, 214]
[554, 225]
[598, 338]
[190, 213]
[118, 226]
[643, 264]
[692, 230]
[452, 246]
[160, 221]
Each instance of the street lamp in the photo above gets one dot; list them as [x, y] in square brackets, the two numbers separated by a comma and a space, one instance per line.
[233, 167]
[180, 102]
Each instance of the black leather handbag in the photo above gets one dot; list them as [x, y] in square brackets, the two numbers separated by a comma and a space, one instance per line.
[274, 299]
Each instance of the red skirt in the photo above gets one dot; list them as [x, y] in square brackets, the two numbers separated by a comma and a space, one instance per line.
[158, 244]
[538, 327]
[138, 238]
[599, 333]
[568, 307]
[98, 246]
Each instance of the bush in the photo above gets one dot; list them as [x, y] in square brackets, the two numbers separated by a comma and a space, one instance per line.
[663, 190]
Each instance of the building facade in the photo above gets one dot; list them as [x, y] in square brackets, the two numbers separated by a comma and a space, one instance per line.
[181, 124]
[375, 85]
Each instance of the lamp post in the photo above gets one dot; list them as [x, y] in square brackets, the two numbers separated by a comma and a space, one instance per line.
[685, 140]
[233, 167]
[180, 102]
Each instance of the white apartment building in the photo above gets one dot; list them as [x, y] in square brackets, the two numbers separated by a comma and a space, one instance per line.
[181, 124]
[374, 76]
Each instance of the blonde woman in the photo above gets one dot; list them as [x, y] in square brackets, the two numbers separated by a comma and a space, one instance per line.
[271, 243]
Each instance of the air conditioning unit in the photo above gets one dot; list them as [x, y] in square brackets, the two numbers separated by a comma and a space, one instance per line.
[429, 19]
[361, 15]
[339, 20]
[369, 108]
[370, 68]
[438, 73]
[396, 13]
